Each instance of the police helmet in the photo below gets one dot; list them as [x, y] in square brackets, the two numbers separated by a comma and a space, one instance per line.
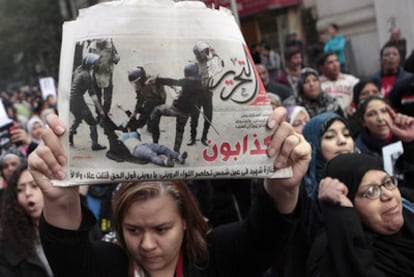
[191, 70]
[89, 59]
[137, 75]
[199, 47]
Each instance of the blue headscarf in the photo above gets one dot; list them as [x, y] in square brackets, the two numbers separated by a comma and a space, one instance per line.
[313, 132]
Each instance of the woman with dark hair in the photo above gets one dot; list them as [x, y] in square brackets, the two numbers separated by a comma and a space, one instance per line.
[368, 230]
[362, 90]
[376, 132]
[21, 253]
[159, 228]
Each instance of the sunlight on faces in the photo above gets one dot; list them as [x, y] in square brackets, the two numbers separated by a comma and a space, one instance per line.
[382, 215]
[336, 140]
[154, 231]
[376, 118]
[312, 87]
[29, 195]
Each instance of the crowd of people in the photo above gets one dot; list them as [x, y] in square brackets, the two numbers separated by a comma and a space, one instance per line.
[340, 214]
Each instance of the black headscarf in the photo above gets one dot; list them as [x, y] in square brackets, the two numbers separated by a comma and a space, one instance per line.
[360, 86]
[350, 169]
[393, 254]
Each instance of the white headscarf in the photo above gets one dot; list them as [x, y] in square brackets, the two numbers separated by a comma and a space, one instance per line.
[293, 112]
[30, 124]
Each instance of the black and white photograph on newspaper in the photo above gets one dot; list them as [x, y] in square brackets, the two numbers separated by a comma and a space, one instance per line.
[165, 108]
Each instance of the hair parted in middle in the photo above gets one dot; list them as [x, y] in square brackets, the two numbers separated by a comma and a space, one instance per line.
[194, 244]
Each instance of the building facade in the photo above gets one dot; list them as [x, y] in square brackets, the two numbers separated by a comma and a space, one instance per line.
[366, 24]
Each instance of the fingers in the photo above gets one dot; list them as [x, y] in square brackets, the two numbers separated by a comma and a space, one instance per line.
[390, 111]
[403, 120]
[55, 124]
[302, 150]
[44, 162]
[277, 117]
[279, 136]
[288, 146]
[333, 191]
[54, 145]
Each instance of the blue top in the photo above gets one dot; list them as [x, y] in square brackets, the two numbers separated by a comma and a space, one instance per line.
[336, 44]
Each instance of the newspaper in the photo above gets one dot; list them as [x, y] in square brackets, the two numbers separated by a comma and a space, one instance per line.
[173, 88]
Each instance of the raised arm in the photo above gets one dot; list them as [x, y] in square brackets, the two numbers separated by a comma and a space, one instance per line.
[402, 125]
[61, 204]
[289, 149]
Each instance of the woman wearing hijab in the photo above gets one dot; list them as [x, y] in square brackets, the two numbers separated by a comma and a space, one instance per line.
[368, 231]
[297, 117]
[34, 128]
[311, 96]
[329, 135]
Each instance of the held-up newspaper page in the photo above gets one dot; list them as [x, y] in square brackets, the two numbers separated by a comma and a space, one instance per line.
[154, 90]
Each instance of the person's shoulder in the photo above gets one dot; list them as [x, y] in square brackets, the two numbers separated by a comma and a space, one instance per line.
[349, 77]
[279, 86]
[377, 75]
[323, 78]
[406, 83]
[402, 74]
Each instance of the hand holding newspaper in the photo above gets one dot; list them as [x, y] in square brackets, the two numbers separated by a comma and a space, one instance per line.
[122, 64]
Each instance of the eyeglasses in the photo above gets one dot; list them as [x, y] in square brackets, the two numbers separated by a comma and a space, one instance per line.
[374, 191]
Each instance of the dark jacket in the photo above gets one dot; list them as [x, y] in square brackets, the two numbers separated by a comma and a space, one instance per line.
[245, 248]
[14, 265]
[402, 96]
[401, 75]
[280, 90]
[191, 90]
[347, 248]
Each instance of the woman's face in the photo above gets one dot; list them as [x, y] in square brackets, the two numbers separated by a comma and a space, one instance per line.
[37, 131]
[336, 140]
[382, 215]
[29, 195]
[299, 122]
[376, 118]
[312, 87]
[9, 164]
[369, 90]
[154, 230]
